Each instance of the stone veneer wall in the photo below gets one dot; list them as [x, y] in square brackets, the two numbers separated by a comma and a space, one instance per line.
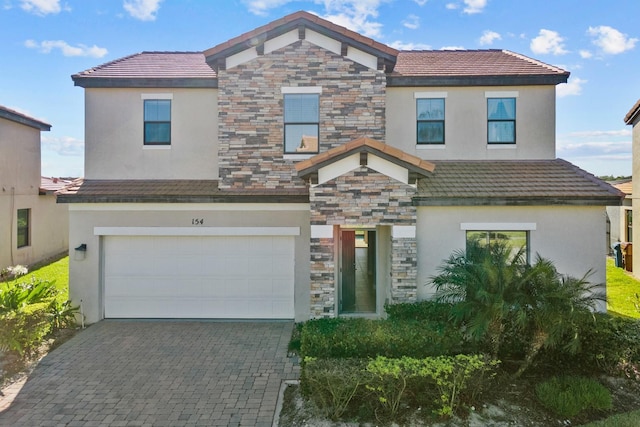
[362, 197]
[251, 128]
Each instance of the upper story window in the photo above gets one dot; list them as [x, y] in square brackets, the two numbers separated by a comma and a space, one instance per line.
[24, 225]
[157, 122]
[301, 123]
[501, 120]
[430, 118]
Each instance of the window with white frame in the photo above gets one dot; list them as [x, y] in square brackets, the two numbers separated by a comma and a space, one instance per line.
[301, 123]
[430, 121]
[515, 239]
[157, 122]
[501, 120]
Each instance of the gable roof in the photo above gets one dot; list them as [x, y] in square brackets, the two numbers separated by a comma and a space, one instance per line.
[513, 182]
[633, 113]
[472, 67]
[298, 20]
[23, 119]
[364, 145]
[151, 69]
[625, 187]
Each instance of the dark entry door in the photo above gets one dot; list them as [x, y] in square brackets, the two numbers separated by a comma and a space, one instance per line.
[348, 264]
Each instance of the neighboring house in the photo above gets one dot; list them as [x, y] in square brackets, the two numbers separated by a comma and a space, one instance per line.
[633, 119]
[32, 226]
[620, 218]
[199, 201]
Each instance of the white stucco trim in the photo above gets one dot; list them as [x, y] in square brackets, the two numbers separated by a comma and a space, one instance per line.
[499, 226]
[387, 168]
[301, 89]
[338, 168]
[241, 57]
[403, 231]
[196, 231]
[293, 156]
[430, 146]
[427, 95]
[502, 146]
[156, 96]
[322, 231]
[157, 147]
[195, 207]
[363, 58]
[332, 45]
[502, 94]
[281, 41]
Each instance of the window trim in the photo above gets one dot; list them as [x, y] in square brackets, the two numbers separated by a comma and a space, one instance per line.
[515, 109]
[488, 231]
[26, 229]
[146, 99]
[301, 91]
[442, 121]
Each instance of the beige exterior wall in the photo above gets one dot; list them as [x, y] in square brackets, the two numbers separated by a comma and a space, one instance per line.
[114, 146]
[572, 237]
[466, 123]
[635, 191]
[19, 188]
[85, 274]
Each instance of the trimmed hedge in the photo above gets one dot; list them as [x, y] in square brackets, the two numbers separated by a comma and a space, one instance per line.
[364, 338]
[422, 310]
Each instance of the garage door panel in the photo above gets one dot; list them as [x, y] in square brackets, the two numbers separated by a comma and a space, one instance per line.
[199, 276]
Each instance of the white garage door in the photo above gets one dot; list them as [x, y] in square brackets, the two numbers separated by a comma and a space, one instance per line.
[199, 277]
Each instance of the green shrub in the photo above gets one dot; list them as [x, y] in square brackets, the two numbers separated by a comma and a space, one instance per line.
[24, 329]
[62, 314]
[362, 338]
[569, 396]
[332, 384]
[423, 310]
[15, 295]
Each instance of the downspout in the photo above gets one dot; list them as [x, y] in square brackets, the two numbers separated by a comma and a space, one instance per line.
[13, 215]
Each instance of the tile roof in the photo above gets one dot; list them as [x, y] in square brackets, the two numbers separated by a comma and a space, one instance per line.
[633, 113]
[625, 187]
[493, 62]
[393, 154]
[526, 182]
[290, 21]
[15, 116]
[51, 185]
[168, 191]
[154, 66]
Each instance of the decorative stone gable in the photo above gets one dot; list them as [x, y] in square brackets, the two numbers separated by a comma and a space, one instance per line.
[251, 128]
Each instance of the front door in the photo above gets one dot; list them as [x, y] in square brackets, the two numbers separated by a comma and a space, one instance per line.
[357, 271]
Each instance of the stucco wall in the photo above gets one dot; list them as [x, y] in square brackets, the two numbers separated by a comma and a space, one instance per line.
[572, 237]
[19, 158]
[635, 192]
[49, 229]
[114, 146]
[84, 275]
[466, 123]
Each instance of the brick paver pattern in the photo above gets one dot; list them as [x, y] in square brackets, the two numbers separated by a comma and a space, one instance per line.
[159, 373]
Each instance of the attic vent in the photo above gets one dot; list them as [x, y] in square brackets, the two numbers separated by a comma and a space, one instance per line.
[344, 48]
[301, 31]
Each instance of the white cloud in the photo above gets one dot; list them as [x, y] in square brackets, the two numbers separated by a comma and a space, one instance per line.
[412, 22]
[474, 6]
[356, 15]
[610, 40]
[601, 133]
[601, 150]
[488, 37]
[41, 7]
[585, 54]
[47, 46]
[64, 146]
[452, 6]
[548, 41]
[144, 10]
[421, 2]
[452, 48]
[262, 7]
[409, 46]
[572, 87]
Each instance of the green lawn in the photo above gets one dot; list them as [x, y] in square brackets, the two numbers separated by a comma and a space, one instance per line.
[58, 271]
[621, 291]
[630, 419]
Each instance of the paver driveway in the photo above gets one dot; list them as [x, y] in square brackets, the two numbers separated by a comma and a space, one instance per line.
[159, 373]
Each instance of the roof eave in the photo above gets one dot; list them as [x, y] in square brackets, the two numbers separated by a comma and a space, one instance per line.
[144, 82]
[222, 198]
[633, 114]
[24, 120]
[517, 201]
[495, 80]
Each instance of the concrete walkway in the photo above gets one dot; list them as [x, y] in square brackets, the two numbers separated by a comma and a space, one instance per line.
[158, 373]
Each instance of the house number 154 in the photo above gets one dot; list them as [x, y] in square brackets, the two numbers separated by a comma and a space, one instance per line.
[197, 221]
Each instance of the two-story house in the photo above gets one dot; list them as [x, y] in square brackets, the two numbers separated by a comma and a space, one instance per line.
[632, 118]
[32, 226]
[302, 170]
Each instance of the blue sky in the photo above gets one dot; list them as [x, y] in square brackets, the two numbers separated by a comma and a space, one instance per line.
[45, 41]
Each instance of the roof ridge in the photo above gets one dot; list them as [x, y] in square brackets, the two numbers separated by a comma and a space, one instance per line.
[534, 61]
[589, 176]
[106, 64]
